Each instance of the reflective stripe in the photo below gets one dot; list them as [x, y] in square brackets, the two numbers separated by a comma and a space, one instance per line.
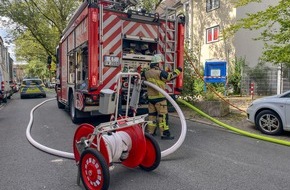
[177, 71]
[163, 122]
[156, 97]
[32, 89]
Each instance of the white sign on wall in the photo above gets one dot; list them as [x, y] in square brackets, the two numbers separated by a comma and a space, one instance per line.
[215, 72]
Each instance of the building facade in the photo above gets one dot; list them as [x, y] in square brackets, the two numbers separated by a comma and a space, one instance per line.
[205, 25]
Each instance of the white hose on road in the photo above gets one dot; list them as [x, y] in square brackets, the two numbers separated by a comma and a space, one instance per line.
[40, 146]
[68, 155]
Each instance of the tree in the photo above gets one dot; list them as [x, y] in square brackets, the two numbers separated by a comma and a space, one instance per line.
[275, 23]
[36, 69]
[42, 21]
[149, 5]
[235, 74]
[28, 49]
[36, 26]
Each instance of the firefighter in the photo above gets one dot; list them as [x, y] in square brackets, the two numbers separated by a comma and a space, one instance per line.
[157, 106]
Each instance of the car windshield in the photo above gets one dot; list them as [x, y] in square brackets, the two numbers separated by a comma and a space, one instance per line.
[32, 82]
[286, 95]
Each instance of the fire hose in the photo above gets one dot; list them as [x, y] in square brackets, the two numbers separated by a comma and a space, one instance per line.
[69, 155]
[242, 132]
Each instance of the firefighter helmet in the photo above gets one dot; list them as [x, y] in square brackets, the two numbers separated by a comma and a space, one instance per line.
[156, 59]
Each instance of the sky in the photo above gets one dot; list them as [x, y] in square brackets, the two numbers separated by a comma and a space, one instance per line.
[11, 47]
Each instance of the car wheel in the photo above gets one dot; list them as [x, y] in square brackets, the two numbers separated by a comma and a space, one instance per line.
[269, 122]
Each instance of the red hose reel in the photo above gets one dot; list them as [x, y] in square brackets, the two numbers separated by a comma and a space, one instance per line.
[97, 149]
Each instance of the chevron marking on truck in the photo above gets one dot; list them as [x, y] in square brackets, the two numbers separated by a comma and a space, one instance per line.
[139, 29]
[112, 39]
[110, 80]
[79, 101]
[112, 45]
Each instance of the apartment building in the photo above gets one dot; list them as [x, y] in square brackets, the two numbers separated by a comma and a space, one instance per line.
[205, 24]
[243, 41]
[5, 72]
[206, 20]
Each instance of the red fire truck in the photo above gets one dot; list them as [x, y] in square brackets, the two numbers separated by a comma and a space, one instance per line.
[104, 38]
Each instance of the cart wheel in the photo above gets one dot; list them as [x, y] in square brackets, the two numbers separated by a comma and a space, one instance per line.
[94, 170]
[153, 154]
[83, 133]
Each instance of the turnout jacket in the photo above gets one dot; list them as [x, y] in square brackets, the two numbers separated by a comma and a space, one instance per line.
[159, 78]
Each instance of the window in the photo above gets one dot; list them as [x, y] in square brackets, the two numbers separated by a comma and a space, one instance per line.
[212, 34]
[32, 82]
[212, 4]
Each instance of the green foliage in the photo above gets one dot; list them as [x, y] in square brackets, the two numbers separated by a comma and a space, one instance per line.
[210, 96]
[275, 23]
[39, 21]
[193, 80]
[37, 25]
[219, 88]
[27, 48]
[149, 5]
[239, 3]
[198, 86]
[36, 68]
[235, 74]
[190, 77]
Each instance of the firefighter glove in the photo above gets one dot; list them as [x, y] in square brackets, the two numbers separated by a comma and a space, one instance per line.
[180, 69]
[176, 72]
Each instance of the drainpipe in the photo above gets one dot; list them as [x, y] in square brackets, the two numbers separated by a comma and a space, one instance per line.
[279, 79]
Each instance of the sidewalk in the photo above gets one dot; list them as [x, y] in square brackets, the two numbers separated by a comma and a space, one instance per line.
[235, 118]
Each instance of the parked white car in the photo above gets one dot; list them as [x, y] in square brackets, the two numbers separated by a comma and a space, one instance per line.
[271, 115]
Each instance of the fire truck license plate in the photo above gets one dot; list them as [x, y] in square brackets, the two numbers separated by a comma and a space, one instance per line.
[111, 61]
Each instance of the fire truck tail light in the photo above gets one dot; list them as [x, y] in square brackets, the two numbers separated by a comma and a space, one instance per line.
[94, 16]
[92, 99]
[94, 81]
[95, 98]
[2, 85]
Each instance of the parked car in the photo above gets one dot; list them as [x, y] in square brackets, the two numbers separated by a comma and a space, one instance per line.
[271, 114]
[32, 87]
[50, 84]
[13, 86]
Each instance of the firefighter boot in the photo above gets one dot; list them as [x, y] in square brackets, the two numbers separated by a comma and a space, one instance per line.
[166, 135]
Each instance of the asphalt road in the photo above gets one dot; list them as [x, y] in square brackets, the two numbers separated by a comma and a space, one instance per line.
[211, 158]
